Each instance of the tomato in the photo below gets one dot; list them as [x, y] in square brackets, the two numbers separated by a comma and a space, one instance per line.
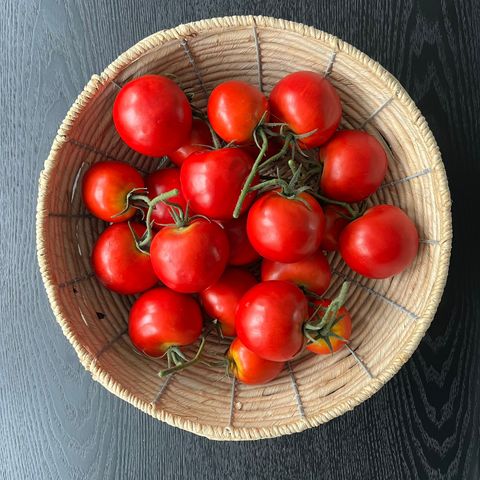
[212, 181]
[274, 147]
[161, 318]
[220, 300]
[354, 166]
[119, 264]
[312, 272]
[285, 229]
[162, 181]
[234, 109]
[241, 250]
[152, 115]
[307, 102]
[335, 222]
[105, 188]
[328, 341]
[200, 138]
[189, 259]
[248, 367]
[269, 320]
[381, 243]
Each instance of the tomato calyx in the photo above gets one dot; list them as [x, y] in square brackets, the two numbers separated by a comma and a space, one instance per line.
[320, 324]
[177, 357]
[146, 238]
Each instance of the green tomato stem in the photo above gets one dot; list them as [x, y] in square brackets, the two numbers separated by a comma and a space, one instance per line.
[345, 205]
[251, 175]
[189, 363]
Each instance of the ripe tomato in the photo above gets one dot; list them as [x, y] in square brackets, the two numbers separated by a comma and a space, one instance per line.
[220, 300]
[285, 229]
[105, 188]
[241, 250]
[248, 367]
[312, 272]
[212, 181]
[307, 101]
[152, 115]
[328, 341]
[381, 243]
[234, 109]
[161, 318]
[119, 264]
[191, 258]
[200, 137]
[335, 222]
[269, 320]
[163, 181]
[354, 166]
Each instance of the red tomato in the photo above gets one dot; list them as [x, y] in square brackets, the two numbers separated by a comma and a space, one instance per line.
[270, 318]
[381, 243]
[335, 222]
[354, 166]
[220, 300]
[342, 327]
[312, 272]
[160, 319]
[235, 108]
[212, 181]
[248, 367]
[191, 258]
[105, 188]
[241, 250]
[273, 148]
[285, 229]
[163, 181]
[307, 101]
[119, 264]
[200, 136]
[152, 115]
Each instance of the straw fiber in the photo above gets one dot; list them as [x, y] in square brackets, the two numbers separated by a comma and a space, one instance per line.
[389, 316]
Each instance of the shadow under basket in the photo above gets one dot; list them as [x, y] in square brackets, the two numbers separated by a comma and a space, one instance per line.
[389, 316]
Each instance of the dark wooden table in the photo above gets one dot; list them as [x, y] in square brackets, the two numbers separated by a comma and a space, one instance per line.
[57, 423]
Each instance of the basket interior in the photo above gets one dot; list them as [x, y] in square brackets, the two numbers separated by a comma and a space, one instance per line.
[385, 313]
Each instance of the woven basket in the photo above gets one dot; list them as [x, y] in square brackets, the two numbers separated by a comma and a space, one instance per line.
[389, 316]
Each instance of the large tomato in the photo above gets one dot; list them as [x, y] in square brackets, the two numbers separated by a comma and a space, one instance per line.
[307, 102]
[248, 367]
[270, 318]
[119, 264]
[220, 300]
[105, 188]
[285, 229]
[189, 259]
[152, 115]
[335, 221]
[200, 138]
[161, 319]
[312, 272]
[335, 334]
[241, 250]
[162, 181]
[354, 166]
[235, 108]
[212, 181]
[381, 243]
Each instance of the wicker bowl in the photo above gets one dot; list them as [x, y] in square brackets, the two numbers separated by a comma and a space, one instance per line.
[389, 316]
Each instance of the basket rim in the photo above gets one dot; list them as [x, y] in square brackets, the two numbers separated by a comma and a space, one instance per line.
[392, 85]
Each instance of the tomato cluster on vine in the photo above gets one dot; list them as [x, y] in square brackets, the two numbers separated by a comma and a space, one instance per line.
[230, 233]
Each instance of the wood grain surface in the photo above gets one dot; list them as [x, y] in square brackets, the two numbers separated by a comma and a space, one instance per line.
[55, 422]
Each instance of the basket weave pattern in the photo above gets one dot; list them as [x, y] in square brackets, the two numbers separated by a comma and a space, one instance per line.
[389, 316]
